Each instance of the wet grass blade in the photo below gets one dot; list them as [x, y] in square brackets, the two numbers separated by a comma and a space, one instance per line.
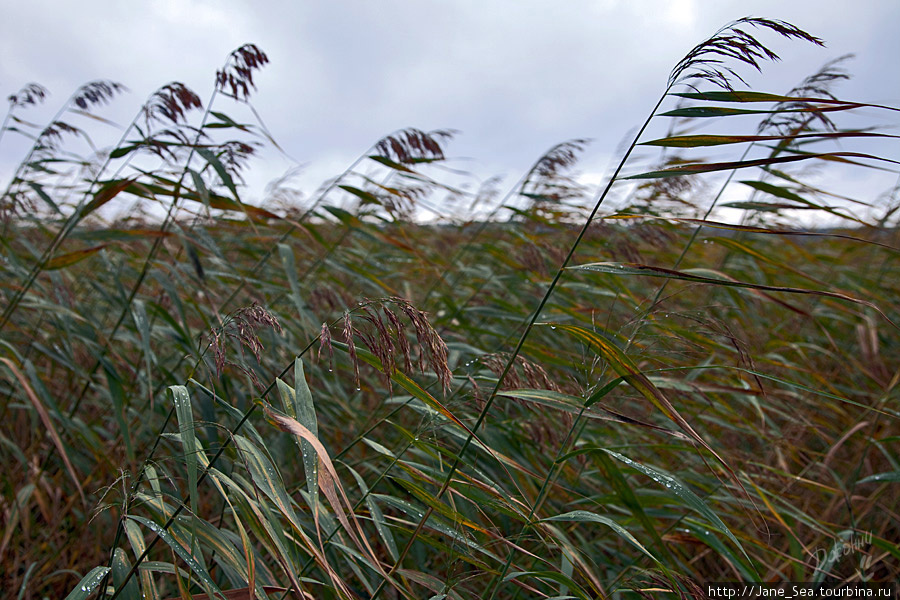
[88, 584]
[674, 486]
[185, 414]
[299, 405]
[183, 553]
[584, 516]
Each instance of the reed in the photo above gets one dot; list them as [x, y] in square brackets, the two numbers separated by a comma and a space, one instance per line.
[570, 397]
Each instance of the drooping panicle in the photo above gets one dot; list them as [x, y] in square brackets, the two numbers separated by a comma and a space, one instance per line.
[237, 76]
[413, 145]
[30, 94]
[707, 60]
[171, 102]
[97, 92]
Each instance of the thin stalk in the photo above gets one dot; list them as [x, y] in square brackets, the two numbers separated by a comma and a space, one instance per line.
[684, 250]
[533, 319]
[22, 165]
[212, 461]
[461, 252]
[225, 444]
[552, 474]
[151, 255]
[145, 269]
[135, 288]
[70, 223]
[6, 119]
[319, 199]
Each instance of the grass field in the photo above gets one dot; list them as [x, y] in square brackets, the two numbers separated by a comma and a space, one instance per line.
[568, 397]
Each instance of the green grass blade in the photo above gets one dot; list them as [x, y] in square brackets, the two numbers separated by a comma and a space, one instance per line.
[185, 414]
[584, 516]
[887, 477]
[88, 584]
[120, 568]
[674, 486]
[186, 555]
[138, 545]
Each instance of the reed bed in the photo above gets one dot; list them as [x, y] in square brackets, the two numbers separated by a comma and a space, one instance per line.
[588, 393]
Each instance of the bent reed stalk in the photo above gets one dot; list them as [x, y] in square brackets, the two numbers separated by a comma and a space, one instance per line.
[474, 451]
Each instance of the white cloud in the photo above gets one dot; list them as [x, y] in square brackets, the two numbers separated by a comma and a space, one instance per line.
[515, 77]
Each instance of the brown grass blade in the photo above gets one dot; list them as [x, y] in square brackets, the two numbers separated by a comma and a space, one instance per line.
[329, 483]
[756, 229]
[48, 424]
[697, 168]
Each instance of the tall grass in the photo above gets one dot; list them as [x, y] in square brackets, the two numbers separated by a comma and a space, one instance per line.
[559, 400]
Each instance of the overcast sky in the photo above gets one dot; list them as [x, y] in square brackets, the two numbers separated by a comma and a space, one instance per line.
[514, 77]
